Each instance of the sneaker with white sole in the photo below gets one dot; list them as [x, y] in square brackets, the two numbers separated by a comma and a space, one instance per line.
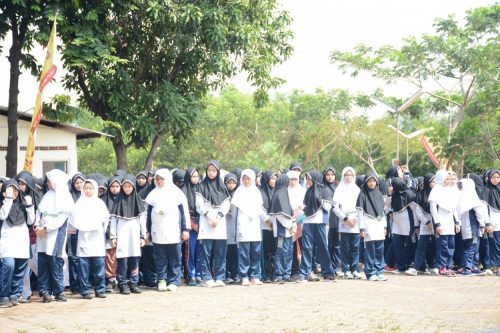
[162, 285]
[373, 278]
[219, 283]
[357, 275]
[348, 276]
[381, 277]
[256, 282]
[172, 287]
[245, 282]
[208, 284]
[411, 271]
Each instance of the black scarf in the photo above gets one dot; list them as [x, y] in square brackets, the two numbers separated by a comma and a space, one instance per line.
[17, 214]
[213, 190]
[190, 190]
[479, 184]
[330, 187]
[265, 190]
[491, 192]
[228, 177]
[280, 202]
[423, 196]
[371, 201]
[316, 194]
[128, 206]
[74, 192]
[110, 198]
[392, 172]
[402, 196]
[136, 185]
[30, 181]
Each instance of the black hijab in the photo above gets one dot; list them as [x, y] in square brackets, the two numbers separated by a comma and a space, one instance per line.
[128, 206]
[213, 190]
[392, 172]
[17, 214]
[228, 177]
[330, 187]
[382, 186]
[110, 198]
[178, 176]
[190, 190]
[280, 202]
[479, 184]
[360, 180]
[237, 172]
[30, 181]
[402, 196]
[265, 190]
[371, 201]
[492, 192]
[316, 194]
[74, 192]
[136, 185]
[422, 198]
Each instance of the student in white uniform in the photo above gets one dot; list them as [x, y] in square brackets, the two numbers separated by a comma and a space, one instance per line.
[212, 203]
[51, 227]
[444, 210]
[128, 234]
[249, 212]
[90, 218]
[168, 225]
[491, 195]
[373, 227]
[296, 193]
[344, 206]
[16, 213]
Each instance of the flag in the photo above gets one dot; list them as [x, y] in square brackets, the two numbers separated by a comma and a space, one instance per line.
[48, 72]
[430, 151]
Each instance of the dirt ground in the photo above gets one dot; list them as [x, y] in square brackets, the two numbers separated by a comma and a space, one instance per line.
[402, 304]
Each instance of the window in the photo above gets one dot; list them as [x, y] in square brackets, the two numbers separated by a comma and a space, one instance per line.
[50, 165]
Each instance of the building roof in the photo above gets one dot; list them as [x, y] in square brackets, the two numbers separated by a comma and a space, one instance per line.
[81, 133]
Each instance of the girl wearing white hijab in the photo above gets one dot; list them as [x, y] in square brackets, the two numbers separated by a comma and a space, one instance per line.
[296, 194]
[90, 218]
[344, 206]
[444, 210]
[168, 227]
[249, 211]
[51, 226]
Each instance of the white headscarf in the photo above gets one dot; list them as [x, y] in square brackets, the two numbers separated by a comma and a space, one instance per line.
[164, 199]
[346, 194]
[248, 198]
[297, 193]
[90, 212]
[468, 196]
[441, 195]
[58, 199]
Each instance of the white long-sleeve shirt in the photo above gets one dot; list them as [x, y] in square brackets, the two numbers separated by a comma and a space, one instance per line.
[15, 240]
[207, 212]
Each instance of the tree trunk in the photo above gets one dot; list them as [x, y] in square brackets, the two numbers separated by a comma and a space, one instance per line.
[121, 153]
[148, 165]
[14, 59]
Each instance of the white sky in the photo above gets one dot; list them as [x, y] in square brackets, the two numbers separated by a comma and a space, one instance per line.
[320, 26]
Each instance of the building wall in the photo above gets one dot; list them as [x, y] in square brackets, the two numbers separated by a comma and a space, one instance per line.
[52, 145]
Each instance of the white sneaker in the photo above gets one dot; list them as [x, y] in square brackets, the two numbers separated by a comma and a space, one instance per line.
[208, 284]
[172, 287]
[162, 285]
[256, 282]
[245, 282]
[435, 271]
[411, 271]
[488, 271]
[357, 275]
[219, 283]
[348, 275]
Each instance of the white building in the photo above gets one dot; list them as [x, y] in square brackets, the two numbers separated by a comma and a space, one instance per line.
[55, 144]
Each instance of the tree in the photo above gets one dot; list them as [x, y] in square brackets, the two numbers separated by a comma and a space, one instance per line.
[148, 64]
[20, 18]
[468, 56]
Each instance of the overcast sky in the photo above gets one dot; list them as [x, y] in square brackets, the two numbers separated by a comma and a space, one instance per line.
[319, 26]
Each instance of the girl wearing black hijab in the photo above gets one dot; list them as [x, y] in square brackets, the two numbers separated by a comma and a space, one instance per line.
[212, 203]
[425, 253]
[317, 202]
[329, 176]
[76, 187]
[284, 227]
[491, 195]
[128, 234]
[16, 213]
[232, 245]
[190, 187]
[373, 227]
[267, 188]
[403, 225]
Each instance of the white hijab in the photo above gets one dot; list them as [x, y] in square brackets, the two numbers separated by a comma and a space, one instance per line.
[165, 199]
[468, 196]
[90, 212]
[248, 198]
[346, 194]
[297, 193]
[443, 196]
[58, 199]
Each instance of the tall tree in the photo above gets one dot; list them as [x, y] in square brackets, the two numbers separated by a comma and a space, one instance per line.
[147, 64]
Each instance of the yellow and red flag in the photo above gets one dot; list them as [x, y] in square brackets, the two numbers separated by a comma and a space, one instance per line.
[48, 72]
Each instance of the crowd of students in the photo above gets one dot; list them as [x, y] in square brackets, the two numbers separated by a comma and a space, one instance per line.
[162, 227]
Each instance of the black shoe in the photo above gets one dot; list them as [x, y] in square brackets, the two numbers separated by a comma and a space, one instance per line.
[61, 297]
[100, 295]
[134, 289]
[87, 296]
[289, 280]
[330, 278]
[267, 280]
[124, 290]
[46, 297]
